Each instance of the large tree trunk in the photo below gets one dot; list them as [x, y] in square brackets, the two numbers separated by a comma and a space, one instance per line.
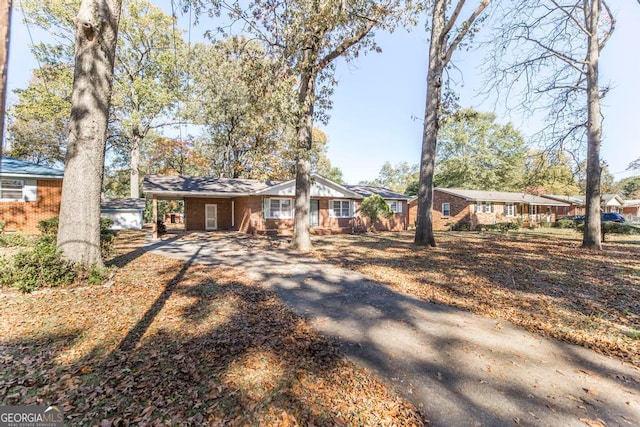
[5, 30]
[96, 36]
[592, 226]
[424, 225]
[306, 98]
[134, 178]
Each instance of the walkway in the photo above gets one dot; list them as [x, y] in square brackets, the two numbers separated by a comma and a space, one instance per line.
[465, 370]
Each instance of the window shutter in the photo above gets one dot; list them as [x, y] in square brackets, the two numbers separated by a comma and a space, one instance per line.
[491, 207]
[399, 204]
[266, 207]
[351, 208]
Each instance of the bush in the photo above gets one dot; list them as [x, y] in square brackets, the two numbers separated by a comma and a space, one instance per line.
[15, 240]
[546, 224]
[375, 207]
[564, 223]
[161, 227]
[613, 228]
[3, 224]
[464, 226]
[503, 227]
[106, 237]
[40, 266]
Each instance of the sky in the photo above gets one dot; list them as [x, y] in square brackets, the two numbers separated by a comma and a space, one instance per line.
[378, 105]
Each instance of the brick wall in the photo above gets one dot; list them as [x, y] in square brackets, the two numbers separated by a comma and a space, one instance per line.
[195, 216]
[459, 208]
[24, 216]
[398, 222]
[248, 212]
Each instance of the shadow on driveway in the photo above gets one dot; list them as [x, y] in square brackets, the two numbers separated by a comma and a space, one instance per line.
[465, 370]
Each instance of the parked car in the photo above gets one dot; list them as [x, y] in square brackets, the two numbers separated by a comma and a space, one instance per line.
[612, 217]
[578, 218]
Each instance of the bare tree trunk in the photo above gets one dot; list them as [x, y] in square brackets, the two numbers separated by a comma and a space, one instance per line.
[592, 237]
[134, 178]
[424, 225]
[306, 98]
[5, 31]
[96, 36]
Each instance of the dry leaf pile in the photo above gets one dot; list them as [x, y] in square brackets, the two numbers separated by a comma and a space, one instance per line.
[175, 344]
[547, 285]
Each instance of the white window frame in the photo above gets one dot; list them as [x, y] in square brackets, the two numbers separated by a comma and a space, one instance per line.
[280, 213]
[395, 206]
[12, 199]
[448, 210]
[332, 209]
[509, 209]
[485, 207]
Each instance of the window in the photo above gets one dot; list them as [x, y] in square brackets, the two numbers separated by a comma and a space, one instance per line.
[509, 209]
[341, 209]
[279, 209]
[395, 206]
[446, 210]
[11, 189]
[485, 207]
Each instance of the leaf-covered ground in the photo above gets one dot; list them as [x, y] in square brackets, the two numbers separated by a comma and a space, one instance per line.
[545, 284]
[168, 343]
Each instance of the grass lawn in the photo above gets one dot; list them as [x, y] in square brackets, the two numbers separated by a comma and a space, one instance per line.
[540, 280]
[167, 343]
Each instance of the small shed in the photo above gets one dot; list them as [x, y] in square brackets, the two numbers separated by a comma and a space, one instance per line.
[126, 213]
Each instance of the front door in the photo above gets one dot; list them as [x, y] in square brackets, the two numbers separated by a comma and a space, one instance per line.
[314, 216]
[211, 217]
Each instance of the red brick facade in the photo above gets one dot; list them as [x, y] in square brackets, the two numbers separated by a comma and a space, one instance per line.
[248, 217]
[24, 216]
[462, 210]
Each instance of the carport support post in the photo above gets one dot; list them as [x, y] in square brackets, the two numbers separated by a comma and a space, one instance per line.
[154, 214]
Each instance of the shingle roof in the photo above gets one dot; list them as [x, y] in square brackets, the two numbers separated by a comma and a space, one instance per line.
[385, 193]
[11, 166]
[501, 196]
[123, 204]
[202, 186]
[576, 200]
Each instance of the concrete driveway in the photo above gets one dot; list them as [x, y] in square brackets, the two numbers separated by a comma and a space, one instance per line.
[465, 370]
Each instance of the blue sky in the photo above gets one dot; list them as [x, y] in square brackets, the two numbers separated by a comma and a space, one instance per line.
[378, 104]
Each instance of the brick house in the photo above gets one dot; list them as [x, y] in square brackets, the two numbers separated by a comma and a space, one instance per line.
[258, 207]
[29, 193]
[454, 207]
[631, 210]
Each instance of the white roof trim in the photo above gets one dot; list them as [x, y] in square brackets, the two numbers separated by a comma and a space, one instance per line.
[275, 190]
[29, 176]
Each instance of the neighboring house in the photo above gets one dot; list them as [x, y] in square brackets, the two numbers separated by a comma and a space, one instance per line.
[126, 213]
[29, 193]
[576, 204]
[454, 206]
[631, 210]
[258, 207]
[611, 203]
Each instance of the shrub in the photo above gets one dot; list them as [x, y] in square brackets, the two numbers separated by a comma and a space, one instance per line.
[464, 226]
[15, 240]
[545, 224]
[503, 227]
[612, 228]
[40, 266]
[375, 207]
[2, 225]
[161, 227]
[564, 223]
[106, 237]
